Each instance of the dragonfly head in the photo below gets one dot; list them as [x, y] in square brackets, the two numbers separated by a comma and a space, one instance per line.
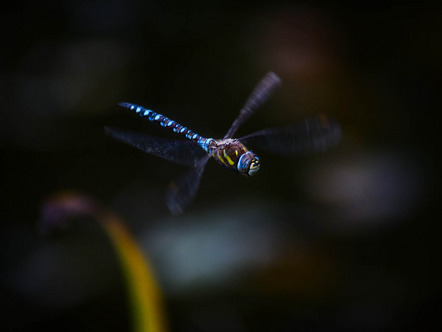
[248, 164]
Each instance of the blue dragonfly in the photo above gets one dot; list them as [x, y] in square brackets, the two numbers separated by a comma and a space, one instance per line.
[314, 134]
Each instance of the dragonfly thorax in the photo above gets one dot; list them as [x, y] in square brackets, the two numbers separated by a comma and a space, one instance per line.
[234, 155]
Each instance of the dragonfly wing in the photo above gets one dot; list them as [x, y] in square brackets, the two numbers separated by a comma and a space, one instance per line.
[182, 192]
[311, 135]
[265, 88]
[181, 152]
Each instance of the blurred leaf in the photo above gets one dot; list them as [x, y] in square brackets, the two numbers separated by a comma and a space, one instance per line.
[145, 296]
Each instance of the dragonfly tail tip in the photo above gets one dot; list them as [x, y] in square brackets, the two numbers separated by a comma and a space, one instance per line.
[124, 104]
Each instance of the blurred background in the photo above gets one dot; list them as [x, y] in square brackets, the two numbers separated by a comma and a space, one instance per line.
[343, 240]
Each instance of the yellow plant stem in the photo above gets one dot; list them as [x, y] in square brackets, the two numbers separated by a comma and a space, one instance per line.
[144, 294]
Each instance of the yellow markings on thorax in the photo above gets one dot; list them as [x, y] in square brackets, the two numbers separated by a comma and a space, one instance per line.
[229, 160]
[228, 153]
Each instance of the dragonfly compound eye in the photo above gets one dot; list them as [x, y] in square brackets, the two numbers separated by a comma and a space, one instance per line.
[254, 166]
[248, 164]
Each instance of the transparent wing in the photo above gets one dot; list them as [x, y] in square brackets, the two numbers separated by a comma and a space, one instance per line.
[265, 88]
[181, 152]
[182, 192]
[311, 135]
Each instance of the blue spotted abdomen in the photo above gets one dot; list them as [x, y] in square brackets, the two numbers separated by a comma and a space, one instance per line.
[164, 121]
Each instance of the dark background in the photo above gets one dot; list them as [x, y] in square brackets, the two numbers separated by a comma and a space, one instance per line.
[344, 240]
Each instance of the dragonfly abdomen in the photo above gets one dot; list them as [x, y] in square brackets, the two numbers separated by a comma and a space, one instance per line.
[164, 121]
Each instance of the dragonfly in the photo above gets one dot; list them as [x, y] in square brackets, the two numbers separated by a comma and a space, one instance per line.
[311, 135]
